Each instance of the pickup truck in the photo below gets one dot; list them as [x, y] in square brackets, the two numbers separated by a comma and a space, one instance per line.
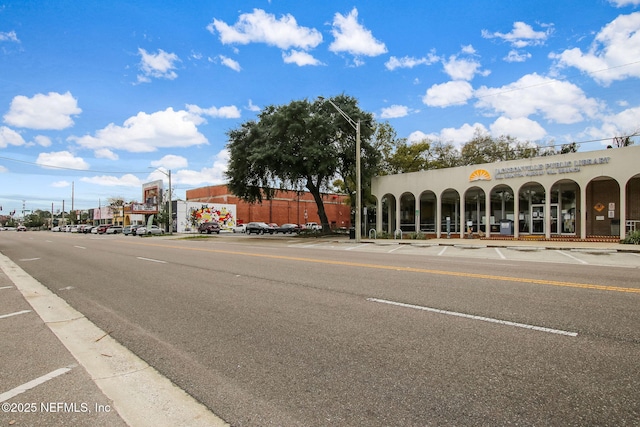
[313, 226]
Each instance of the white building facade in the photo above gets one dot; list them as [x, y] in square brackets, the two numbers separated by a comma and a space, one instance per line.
[577, 195]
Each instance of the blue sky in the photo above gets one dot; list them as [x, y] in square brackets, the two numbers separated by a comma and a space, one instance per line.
[95, 95]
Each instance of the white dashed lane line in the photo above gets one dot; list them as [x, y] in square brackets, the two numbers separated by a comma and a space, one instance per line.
[34, 383]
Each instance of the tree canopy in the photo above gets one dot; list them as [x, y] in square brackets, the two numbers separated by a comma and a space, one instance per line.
[301, 145]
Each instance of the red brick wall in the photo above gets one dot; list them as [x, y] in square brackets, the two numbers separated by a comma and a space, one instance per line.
[285, 207]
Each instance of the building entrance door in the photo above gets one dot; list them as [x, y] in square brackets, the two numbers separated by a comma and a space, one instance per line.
[537, 219]
[555, 220]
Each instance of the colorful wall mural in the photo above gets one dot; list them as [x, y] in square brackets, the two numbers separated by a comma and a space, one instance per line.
[191, 214]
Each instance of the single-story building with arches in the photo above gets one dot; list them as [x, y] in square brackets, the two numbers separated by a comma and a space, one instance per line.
[577, 195]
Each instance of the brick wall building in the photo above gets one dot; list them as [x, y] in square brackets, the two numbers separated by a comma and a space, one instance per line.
[285, 207]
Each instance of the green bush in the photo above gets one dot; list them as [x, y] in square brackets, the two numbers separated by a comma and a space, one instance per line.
[632, 238]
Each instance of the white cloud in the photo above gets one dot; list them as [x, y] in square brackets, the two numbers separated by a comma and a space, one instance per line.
[61, 159]
[10, 137]
[252, 107]
[517, 56]
[418, 136]
[42, 141]
[394, 111]
[461, 135]
[160, 65]
[11, 36]
[461, 68]
[148, 132]
[621, 124]
[262, 27]
[51, 111]
[3, 169]
[613, 54]
[171, 161]
[557, 101]
[61, 184]
[448, 94]
[521, 128]
[410, 61]
[299, 58]
[226, 112]
[351, 37]
[623, 3]
[105, 153]
[126, 180]
[210, 175]
[522, 35]
[230, 63]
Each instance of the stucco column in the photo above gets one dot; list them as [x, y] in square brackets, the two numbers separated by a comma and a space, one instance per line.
[398, 212]
[487, 213]
[516, 214]
[462, 221]
[378, 215]
[547, 213]
[438, 217]
[583, 212]
[623, 212]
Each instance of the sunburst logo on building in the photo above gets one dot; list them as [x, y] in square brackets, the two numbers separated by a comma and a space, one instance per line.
[480, 175]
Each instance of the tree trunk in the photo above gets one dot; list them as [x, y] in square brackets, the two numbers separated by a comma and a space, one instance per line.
[315, 192]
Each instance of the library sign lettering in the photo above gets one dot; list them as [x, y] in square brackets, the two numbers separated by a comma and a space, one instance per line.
[551, 168]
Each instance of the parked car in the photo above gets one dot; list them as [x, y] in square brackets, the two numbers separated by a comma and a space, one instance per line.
[259, 228]
[313, 226]
[288, 229]
[240, 228]
[87, 228]
[209, 227]
[103, 228]
[56, 229]
[21, 228]
[130, 230]
[148, 231]
[114, 229]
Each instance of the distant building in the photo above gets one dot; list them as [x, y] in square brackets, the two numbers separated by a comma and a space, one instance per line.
[285, 207]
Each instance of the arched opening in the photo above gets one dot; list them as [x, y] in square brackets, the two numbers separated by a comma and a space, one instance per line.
[428, 212]
[450, 211]
[474, 210]
[633, 204]
[565, 205]
[388, 213]
[531, 215]
[502, 208]
[603, 207]
[408, 212]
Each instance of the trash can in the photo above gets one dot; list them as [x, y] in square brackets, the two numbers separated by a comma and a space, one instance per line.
[352, 233]
[506, 227]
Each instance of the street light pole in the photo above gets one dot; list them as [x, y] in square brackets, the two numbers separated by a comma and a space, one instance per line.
[356, 125]
[168, 175]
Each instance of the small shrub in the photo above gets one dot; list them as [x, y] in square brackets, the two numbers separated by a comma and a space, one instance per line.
[632, 238]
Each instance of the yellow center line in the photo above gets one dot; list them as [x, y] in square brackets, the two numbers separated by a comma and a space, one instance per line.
[405, 269]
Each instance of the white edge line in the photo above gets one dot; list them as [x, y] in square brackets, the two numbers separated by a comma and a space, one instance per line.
[80, 247]
[34, 383]
[500, 253]
[6, 287]
[152, 260]
[473, 317]
[4, 316]
[394, 249]
[571, 256]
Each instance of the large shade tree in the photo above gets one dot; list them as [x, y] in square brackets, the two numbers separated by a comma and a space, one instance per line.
[301, 145]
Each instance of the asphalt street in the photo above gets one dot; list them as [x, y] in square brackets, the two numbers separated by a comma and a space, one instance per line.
[284, 331]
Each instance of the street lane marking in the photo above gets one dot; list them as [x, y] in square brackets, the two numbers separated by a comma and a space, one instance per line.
[6, 287]
[572, 257]
[34, 383]
[474, 317]
[396, 268]
[4, 316]
[29, 259]
[355, 247]
[394, 249]
[80, 247]
[152, 260]
[500, 253]
[442, 251]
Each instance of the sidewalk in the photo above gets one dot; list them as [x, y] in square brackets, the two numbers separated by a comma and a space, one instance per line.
[499, 243]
